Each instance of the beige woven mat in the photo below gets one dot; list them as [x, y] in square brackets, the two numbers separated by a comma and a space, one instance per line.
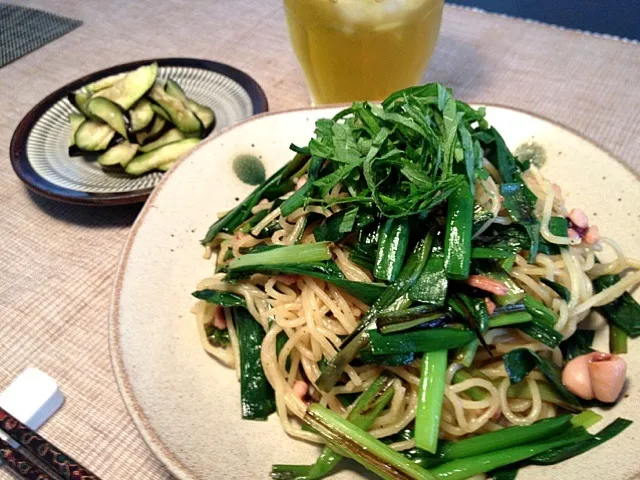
[57, 261]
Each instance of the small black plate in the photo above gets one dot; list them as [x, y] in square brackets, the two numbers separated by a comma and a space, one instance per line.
[39, 144]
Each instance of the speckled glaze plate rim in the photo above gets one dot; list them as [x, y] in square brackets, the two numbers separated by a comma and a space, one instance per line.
[142, 422]
[35, 182]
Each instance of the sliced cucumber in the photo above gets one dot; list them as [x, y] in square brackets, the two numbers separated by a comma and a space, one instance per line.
[170, 136]
[110, 113]
[163, 155]
[175, 90]
[104, 83]
[75, 119]
[93, 136]
[204, 114]
[166, 166]
[181, 116]
[141, 115]
[158, 110]
[80, 99]
[152, 132]
[120, 154]
[132, 87]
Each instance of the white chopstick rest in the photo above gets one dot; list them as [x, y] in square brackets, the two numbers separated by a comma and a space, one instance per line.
[33, 397]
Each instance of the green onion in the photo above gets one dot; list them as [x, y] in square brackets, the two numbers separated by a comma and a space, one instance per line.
[253, 221]
[431, 320]
[624, 311]
[351, 441]
[392, 248]
[539, 311]
[368, 292]
[586, 419]
[515, 292]
[520, 202]
[505, 319]
[242, 212]
[366, 409]
[561, 453]
[224, 299]
[559, 226]
[507, 263]
[431, 287]
[256, 395]
[420, 341]
[463, 468]
[473, 310]
[398, 360]
[300, 196]
[541, 332]
[509, 474]
[466, 353]
[577, 344]
[290, 472]
[341, 224]
[293, 254]
[617, 339]
[395, 316]
[457, 240]
[430, 397]
[510, 308]
[475, 393]
[561, 290]
[505, 438]
[492, 253]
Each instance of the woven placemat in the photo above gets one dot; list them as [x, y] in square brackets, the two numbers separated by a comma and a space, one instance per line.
[23, 30]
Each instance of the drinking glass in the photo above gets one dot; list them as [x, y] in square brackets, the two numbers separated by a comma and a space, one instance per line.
[362, 49]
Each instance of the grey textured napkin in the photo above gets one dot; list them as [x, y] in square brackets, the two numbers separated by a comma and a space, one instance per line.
[23, 30]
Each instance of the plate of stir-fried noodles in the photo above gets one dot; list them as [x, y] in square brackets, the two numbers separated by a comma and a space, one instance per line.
[417, 289]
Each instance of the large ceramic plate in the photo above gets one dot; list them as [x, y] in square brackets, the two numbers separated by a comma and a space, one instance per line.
[187, 406]
[39, 147]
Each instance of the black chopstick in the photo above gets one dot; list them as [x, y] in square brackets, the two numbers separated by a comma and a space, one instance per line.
[52, 456]
[20, 464]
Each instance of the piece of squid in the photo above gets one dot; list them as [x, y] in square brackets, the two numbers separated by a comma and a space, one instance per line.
[595, 375]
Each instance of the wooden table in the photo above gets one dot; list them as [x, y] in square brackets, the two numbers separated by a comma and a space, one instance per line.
[57, 261]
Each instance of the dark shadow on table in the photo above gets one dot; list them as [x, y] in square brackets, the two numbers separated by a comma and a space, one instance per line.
[457, 64]
[98, 217]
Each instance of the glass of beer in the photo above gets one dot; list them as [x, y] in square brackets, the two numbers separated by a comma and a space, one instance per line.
[362, 49]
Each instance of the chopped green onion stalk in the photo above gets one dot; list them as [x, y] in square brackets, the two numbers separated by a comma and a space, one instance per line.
[293, 254]
[351, 441]
[586, 419]
[457, 242]
[505, 438]
[465, 354]
[463, 468]
[617, 339]
[539, 311]
[419, 341]
[505, 319]
[366, 409]
[562, 453]
[431, 320]
[430, 397]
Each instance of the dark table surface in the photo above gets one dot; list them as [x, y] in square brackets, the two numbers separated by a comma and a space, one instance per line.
[612, 17]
